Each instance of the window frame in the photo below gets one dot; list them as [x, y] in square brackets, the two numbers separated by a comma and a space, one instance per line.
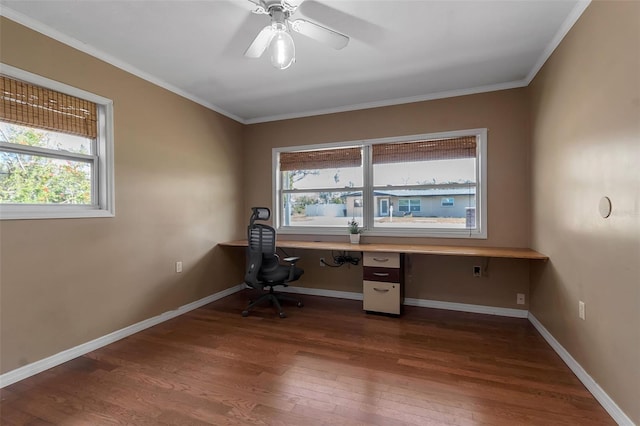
[102, 158]
[480, 232]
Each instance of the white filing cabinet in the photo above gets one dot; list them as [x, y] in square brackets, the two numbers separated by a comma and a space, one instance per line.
[383, 285]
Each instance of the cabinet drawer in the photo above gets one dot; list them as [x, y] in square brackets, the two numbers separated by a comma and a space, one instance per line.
[373, 273]
[381, 297]
[385, 260]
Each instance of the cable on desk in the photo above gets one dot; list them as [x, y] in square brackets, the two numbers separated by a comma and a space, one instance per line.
[342, 259]
[329, 265]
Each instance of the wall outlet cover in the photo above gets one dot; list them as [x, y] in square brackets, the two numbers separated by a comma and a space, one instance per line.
[477, 271]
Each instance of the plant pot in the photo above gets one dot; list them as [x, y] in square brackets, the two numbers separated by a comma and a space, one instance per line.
[354, 238]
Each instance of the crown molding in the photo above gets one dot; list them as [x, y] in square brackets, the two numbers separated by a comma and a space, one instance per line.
[393, 102]
[566, 26]
[46, 30]
[38, 26]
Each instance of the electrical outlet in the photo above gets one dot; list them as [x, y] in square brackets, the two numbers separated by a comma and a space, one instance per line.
[178, 266]
[477, 271]
[322, 264]
[581, 308]
[520, 299]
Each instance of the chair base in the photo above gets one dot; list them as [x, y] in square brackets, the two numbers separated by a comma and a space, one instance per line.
[274, 299]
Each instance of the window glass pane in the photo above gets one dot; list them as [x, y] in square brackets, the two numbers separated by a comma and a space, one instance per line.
[328, 209]
[462, 170]
[21, 135]
[435, 203]
[32, 179]
[346, 177]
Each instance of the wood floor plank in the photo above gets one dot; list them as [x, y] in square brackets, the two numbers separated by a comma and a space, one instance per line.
[326, 364]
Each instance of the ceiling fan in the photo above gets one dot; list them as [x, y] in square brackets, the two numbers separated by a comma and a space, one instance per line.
[277, 35]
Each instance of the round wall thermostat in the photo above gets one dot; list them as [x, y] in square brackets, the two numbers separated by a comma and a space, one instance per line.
[605, 207]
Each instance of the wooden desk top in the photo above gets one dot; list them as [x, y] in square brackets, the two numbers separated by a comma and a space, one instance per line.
[503, 252]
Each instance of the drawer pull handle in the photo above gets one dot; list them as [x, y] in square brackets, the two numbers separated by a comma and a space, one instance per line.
[381, 259]
[381, 290]
[381, 274]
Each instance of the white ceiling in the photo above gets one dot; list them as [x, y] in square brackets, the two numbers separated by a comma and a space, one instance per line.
[400, 51]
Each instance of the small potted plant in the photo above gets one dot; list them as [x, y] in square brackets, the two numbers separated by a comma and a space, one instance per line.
[354, 231]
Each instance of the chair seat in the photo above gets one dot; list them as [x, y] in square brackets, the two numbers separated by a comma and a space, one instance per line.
[280, 274]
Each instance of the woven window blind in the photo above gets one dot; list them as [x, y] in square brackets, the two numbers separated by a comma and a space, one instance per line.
[28, 105]
[427, 150]
[321, 159]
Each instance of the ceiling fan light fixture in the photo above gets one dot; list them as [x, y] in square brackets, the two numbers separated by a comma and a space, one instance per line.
[282, 48]
[277, 36]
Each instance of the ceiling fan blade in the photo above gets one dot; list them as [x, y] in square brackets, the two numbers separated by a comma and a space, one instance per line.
[257, 7]
[320, 33]
[291, 5]
[260, 43]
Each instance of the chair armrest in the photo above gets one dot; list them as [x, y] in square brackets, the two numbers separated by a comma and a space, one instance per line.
[292, 267]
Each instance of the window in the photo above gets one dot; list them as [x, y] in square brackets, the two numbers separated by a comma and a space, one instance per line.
[56, 149]
[409, 205]
[448, 202]
[421, 185]
[321, 188]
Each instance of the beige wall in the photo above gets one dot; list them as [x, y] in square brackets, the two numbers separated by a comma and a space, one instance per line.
[586, 145]
[177, 178]
[504, 113]
[554, 149]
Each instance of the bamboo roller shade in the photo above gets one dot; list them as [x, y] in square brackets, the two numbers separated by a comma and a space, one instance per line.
[34, 106]
[427, 150]
[321, 159]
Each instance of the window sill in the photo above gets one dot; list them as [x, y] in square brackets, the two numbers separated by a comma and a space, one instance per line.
[419, 233]
[13, 212]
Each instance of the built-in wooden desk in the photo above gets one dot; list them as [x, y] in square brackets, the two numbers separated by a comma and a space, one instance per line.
[386, 297]
[502, 252]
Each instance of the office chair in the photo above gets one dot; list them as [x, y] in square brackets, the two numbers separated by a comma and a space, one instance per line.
[264, 269]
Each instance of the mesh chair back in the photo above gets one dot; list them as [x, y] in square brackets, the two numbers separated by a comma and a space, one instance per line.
[261, 250]
[262, 238]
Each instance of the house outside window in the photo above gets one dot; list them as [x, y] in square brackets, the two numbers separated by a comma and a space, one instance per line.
[56, 149]
[419, 185]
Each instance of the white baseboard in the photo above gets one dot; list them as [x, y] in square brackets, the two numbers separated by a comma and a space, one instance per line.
[465, 307]
[599, 394]
[424, 303]
[29, 370]
[321, 292]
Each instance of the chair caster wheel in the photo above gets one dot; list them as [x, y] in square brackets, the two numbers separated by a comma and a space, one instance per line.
[299, 304]
[245, 313]
[283, 315]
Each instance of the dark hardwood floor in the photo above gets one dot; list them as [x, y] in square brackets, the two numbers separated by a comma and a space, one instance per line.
[326, 364]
